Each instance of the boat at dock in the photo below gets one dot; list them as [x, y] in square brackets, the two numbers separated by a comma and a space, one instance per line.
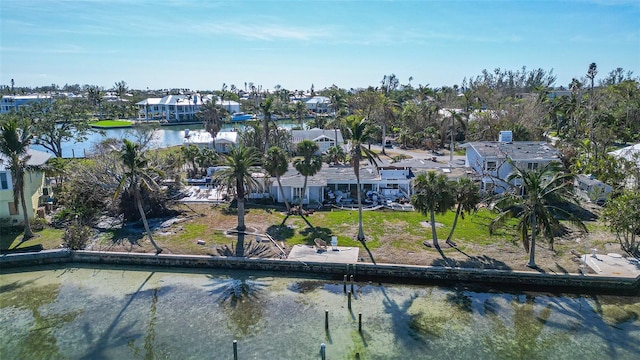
[240, 116]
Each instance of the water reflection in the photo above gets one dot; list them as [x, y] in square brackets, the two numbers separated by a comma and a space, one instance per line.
[164, 136]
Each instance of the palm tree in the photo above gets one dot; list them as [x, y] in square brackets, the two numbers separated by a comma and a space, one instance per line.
[450, 122]
[308, 164]
[137, 175]
[335, 155]
[190, 154]
[14, 145]
[359, 132]
[240, 163]
[591, 73]
[301, 111]
[467, 196]
[388, 113]
[432, 194]
[211, 115]
[545, 190]
[266, 112]
[276, 163]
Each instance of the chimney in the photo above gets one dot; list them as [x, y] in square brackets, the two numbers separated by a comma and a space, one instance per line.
[505, 136]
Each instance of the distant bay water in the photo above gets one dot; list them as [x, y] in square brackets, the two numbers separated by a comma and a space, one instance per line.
[165, 136]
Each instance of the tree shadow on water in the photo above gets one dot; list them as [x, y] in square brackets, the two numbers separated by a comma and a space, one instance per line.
[612, 321]
[403, 324]
[118, 334]
[241, 297]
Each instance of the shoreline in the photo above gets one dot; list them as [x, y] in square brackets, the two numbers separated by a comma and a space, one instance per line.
[394, 273]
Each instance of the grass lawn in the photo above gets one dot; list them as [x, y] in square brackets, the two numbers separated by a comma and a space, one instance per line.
[391, 236]
[401, 230]
[49, 238]
[105, 124]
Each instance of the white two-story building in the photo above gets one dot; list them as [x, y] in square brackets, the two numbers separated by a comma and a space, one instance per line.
[179, 108]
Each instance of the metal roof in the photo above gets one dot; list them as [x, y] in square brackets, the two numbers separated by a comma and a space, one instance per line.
[516, 150]
[329, 175]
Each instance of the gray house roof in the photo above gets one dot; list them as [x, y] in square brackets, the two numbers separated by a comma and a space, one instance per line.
[328, 175]
[37, 158]
[516, 151]
[315, 134]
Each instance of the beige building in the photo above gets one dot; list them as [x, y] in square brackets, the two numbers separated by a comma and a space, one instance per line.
[34, 189]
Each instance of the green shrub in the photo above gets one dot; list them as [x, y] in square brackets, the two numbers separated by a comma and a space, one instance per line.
[76, 236]
[400, 157]
[37, 224]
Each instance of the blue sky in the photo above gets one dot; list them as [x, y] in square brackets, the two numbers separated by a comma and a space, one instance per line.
[202, 44]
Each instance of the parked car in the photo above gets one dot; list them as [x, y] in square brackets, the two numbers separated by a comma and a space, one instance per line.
[387, 144]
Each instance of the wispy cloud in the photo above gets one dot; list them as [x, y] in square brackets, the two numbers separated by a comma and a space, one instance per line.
[263, 31]
[59, 49]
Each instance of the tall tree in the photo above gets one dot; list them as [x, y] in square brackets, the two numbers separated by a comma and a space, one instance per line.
[546, 190]
[623, 216]
[276, 163]
[433, 195]
[14, 143]
[57, 122]
[190, 153]
[137, 175]
[301, 112]
[211, 115]
[240, 163]
[388, 111]
[591, 73]
[452, 123]
[120, 88]
[467, 197]
[360, 132]
[266, 107]
[307, 163]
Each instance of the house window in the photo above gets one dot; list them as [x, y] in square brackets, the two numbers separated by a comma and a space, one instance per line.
[343, 187]
[492, 166]
[13, 210]
[4, 182]
[297, 193]
[532, 166]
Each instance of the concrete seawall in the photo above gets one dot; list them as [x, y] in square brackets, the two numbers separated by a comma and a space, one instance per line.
[577, 283]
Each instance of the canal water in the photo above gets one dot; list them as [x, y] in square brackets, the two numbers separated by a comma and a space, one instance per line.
[78, 312]
[164, 136]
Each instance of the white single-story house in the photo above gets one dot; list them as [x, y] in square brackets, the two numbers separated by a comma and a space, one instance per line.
[488, 160]
[325, 138]
[223, 141]
[338, 184]
[34, 189]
